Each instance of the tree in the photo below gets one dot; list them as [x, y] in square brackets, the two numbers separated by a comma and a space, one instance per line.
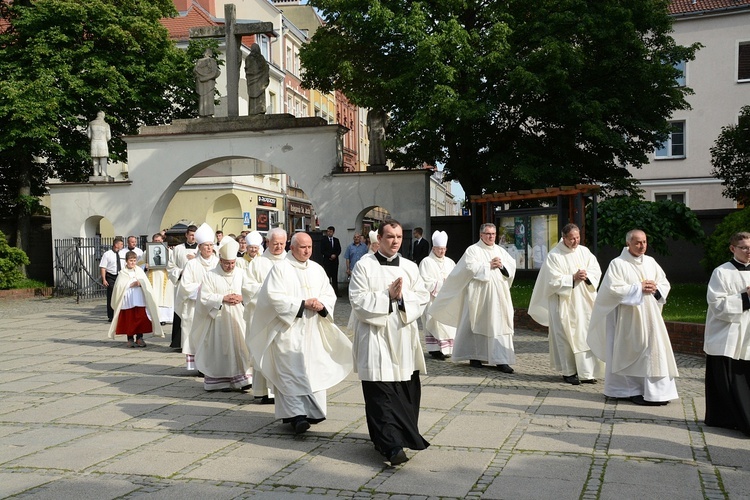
[717, 246]
[730, 157]
[660, 220]
[507, 95]
[61, 62]
[12, 261]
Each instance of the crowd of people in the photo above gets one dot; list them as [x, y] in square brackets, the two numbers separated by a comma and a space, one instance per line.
[254, 311]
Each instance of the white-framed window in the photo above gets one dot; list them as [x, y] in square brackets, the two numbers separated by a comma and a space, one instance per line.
[682, 79]
[271, 103]
[679, 197]
[265, 46]
[289, 59]
[743, 61]
[674, 146]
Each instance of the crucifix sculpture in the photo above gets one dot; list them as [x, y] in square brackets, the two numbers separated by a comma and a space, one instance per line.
[232, 33]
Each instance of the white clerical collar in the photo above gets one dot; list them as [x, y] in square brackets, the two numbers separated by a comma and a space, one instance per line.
[388, 259]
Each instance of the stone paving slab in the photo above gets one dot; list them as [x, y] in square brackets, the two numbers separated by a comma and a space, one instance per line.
[82, 416]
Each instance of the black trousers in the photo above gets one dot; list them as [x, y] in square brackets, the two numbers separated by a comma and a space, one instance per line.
[111, 278]
[176, 332]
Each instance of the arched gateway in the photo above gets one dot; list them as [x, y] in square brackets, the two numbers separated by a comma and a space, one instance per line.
[162, 158]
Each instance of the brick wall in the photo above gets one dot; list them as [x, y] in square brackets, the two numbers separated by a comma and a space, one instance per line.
[686, 338]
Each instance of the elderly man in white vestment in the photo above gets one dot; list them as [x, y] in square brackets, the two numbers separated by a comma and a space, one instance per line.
[178, 259]
[221, 354]
[388, 296]
[295, 342]
[255, 275]
[187, 290]
[562, 300]
[627, 330]
[727, 340]
[475, 298]
[434, 268]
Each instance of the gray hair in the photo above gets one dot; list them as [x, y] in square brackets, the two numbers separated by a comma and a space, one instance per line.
[486, 225]
[631, 233]
[567, 228]
[273, 232]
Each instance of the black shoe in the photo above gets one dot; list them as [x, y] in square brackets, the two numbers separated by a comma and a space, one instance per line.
[642, 402]
[109, 320]
[397, 457]
[246, 387]
[572, 379]
[437, 355]
[162, 323]
[300, 425]
[589, 381]
[199, 373]
[265, 400]
[505, 369]
[475, 363]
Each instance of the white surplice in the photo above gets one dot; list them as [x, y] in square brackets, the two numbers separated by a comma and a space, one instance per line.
[187, 293]
[387, 347]
[302, 356]
[628, 332]
[256, 272]
[565, 307]
[438, 336]
[219, 332]
[163, 293]
[476, 300]
[125, 297]
[727, 325]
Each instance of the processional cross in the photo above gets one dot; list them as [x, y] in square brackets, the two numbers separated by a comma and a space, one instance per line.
[232, 33]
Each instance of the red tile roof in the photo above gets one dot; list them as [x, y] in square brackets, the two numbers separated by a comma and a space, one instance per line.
[695, 6]
[179, 27]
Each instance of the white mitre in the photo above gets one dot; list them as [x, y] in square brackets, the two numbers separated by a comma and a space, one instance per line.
[228, 251]
[254, 239]
[440, 239]
[204, 234]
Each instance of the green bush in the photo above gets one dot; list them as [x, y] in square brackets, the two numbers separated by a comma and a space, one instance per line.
[660, 220]
[717, 246]
[11, 260]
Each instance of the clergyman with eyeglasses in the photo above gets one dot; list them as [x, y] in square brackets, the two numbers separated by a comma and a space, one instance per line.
[475, 299]
[727, 340]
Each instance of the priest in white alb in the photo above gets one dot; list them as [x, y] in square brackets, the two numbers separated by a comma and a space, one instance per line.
[163, 288]
[255, 274]
[388, 296]
[189, 285]
[627, 330]
[221, 354]
[727, 340]
[438, 337]
[475, 298]
[562, 300]
[295, 342]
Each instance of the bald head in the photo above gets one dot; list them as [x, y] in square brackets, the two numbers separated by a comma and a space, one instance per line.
[301, 246]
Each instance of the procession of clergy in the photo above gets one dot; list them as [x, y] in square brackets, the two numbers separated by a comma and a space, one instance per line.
[266, 322]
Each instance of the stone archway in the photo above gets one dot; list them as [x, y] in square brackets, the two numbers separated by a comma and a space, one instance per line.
[162, 158]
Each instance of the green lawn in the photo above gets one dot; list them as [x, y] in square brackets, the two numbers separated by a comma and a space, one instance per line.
[686, 301]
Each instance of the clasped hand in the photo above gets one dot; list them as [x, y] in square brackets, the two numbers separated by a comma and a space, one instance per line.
[394, 289]
[580, 275]
[232, 298]
[314, 305]
[496, 263]
[648, 287]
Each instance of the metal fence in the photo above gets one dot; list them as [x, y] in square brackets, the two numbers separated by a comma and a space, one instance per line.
[77, 266]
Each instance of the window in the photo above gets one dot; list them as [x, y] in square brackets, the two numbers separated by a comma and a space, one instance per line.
[271, 103]
[681, 67]
[263, 43]
[743, 62]
[678, 197]
[674, 146]
[289, 60]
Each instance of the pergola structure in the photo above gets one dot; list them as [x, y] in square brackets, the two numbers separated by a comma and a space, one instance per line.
[570, 205]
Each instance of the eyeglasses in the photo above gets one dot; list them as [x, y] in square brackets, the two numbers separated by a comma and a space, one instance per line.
[488, 234]
[744, 249]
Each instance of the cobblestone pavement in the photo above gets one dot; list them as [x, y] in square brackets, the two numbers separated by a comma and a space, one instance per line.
[82, 417]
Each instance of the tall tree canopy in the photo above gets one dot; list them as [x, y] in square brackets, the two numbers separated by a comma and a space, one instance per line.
[64, 60]
[507, 95]
[730, 157]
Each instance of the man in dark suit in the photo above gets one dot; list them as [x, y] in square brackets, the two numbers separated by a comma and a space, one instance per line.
[330, 247]
[421, 247]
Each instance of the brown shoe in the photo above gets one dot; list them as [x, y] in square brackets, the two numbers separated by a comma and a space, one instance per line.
[140, 343]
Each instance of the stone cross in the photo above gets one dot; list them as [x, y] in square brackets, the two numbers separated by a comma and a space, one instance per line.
[232, 33]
